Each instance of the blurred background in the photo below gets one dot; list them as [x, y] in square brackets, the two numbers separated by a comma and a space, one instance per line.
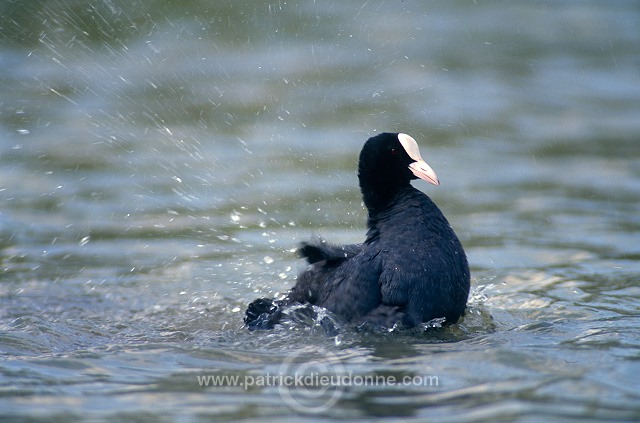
[160, 161]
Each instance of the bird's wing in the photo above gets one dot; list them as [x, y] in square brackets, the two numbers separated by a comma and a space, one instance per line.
[319, 250]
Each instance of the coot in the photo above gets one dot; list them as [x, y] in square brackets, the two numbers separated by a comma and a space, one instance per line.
[411, 267]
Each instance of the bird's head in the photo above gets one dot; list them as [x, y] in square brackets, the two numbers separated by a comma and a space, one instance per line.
[388, 162]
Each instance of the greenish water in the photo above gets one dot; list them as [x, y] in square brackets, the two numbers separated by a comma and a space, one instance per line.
[160, 160]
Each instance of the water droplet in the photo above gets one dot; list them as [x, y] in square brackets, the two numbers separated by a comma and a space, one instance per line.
[84, 241]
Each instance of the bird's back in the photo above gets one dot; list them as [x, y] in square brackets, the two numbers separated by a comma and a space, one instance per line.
[425, 269]
[412, 262]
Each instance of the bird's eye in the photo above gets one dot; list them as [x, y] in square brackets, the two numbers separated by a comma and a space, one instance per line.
[394, 152]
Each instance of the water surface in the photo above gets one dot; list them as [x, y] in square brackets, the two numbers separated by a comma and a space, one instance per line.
[159, 162]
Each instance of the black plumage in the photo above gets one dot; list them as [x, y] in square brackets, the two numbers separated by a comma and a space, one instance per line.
[410, 269]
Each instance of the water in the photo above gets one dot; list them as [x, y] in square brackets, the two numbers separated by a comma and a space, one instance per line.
[160, 161]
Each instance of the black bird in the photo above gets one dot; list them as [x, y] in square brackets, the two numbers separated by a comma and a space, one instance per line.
[410, 269]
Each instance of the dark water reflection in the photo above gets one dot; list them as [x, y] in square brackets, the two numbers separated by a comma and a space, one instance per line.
[160, 160]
